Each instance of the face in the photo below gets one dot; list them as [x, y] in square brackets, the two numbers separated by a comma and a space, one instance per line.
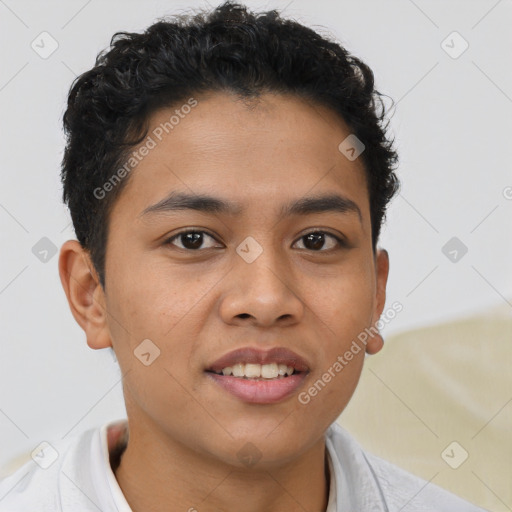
[252, 277]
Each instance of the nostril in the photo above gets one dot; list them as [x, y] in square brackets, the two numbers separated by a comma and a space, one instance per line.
[244, 315]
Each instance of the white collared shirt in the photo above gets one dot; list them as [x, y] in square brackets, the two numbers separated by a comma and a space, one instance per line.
[81, 480]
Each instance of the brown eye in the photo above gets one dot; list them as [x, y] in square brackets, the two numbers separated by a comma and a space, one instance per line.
[190, 240]
[315, 240]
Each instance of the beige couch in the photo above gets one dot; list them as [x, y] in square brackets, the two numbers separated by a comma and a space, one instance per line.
[436, 395]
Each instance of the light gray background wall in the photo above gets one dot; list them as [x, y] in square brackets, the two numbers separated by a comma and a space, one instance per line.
[453, 127]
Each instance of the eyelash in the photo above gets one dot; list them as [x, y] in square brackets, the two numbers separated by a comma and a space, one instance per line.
[341, 243]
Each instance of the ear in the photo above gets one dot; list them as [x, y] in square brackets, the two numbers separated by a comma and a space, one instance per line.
[376, 342]
[84, 292]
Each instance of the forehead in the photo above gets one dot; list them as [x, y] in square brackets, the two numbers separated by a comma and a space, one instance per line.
[261, 151]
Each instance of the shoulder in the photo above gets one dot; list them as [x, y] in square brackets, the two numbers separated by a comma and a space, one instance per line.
[29, 489]
[393, 488]
[408, 492]
[45, 483]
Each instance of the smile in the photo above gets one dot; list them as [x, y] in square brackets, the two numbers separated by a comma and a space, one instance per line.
[258, 390]
[255, 371]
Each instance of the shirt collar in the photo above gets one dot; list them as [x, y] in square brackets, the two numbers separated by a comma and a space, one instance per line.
[117, 437]
[356, 485]
[352, 483]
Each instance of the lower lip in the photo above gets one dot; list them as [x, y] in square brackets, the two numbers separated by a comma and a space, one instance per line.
[260, 391]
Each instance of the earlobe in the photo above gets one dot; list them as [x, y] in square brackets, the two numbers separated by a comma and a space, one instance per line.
[376, 342]
[84, 293]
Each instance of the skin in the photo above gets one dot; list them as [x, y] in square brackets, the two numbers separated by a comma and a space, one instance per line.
[197, 305]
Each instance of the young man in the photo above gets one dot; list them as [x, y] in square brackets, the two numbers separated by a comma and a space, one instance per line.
[227, 176]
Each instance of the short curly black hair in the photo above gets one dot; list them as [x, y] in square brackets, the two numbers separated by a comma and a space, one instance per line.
[227, 49]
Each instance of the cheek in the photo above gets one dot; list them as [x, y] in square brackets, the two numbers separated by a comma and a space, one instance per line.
[151, 299]
[165, 310]
[342, 311]
[330, 389]
[345, 304]
[158, 303]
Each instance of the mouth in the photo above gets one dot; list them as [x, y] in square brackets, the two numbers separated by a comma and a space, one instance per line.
[259, 377]
[257, 372]
[256, 363]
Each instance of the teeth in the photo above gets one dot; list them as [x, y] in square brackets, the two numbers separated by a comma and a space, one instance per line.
[256, 371]
[253, 371]
[238, 370]
[269, 371]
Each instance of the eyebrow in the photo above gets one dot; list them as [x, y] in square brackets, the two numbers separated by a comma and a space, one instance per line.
[177, 201]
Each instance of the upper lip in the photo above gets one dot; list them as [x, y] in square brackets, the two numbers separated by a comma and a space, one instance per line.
[279, 355]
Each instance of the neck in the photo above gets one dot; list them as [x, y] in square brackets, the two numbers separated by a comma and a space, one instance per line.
[155, 472]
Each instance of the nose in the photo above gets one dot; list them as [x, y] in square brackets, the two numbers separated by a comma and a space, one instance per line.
[261, 293]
